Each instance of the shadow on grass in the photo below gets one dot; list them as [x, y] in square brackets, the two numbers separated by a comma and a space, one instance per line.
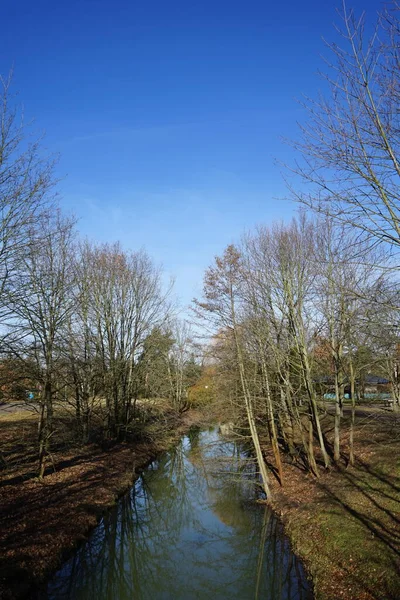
[20, 456]
[371, 501]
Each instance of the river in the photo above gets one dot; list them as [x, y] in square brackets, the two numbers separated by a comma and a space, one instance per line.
[189, 529]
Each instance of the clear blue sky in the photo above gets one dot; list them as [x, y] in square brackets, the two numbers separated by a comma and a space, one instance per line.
[168, 114]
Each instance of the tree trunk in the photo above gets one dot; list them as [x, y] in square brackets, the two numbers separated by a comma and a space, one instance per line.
[311, 456]
[46, 427]
[271, 420]
[353, 412]
[313, 403]
[287, 417]
[249, 409]
[338, 410]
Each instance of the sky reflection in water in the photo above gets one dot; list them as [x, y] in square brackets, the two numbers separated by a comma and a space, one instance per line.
[187, 530]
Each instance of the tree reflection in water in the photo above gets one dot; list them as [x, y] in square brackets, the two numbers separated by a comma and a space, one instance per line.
[188, 529]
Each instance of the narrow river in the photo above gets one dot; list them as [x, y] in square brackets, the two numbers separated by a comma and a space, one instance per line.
[189, 529]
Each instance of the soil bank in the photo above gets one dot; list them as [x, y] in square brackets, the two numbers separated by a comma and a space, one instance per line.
[42, 523]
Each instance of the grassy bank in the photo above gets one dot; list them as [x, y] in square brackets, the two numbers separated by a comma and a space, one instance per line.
[346, 525]
[41, 523]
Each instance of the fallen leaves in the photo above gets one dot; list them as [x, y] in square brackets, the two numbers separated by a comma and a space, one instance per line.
[41, 523]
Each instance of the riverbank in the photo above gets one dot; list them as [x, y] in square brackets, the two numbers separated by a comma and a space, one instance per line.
[42, 523]
[188, 528]
[345, 526]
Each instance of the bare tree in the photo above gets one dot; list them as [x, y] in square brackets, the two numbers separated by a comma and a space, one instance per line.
[350, 143]
[40, 301]
[26, 179]
[220, 305]
[82, 361]
[348, 275]
[126, 302]
[182, 368]
[295, 278]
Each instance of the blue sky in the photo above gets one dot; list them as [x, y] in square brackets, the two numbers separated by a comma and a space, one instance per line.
[168, 116]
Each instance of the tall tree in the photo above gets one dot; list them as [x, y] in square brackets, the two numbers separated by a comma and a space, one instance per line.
[350, 145]
[221, 305]
[26, 180]
[126, 302]
[41, 301]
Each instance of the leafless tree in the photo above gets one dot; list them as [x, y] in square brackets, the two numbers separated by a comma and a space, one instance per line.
[26, 182]
[221, 306]
[40, 301]
[182, 368]
[350, 145]
[125, 302]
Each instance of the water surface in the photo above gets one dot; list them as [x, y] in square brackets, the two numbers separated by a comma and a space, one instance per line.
[189, 529]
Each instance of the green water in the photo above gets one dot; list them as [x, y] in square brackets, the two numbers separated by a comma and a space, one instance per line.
[188, 529]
